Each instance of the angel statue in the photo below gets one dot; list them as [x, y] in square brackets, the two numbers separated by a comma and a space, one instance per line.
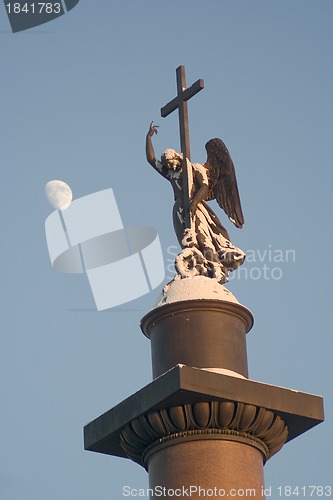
[206, 246]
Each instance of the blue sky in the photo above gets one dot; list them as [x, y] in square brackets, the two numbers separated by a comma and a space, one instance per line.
[77, 96]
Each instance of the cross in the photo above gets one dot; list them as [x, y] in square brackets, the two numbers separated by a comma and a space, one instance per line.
[180, 103]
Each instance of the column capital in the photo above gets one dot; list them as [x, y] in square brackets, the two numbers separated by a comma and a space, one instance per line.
[207, 420]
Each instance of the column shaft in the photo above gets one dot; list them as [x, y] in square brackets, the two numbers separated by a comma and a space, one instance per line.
[208, 469]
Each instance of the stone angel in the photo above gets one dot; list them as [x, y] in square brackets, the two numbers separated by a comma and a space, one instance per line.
[206, 246]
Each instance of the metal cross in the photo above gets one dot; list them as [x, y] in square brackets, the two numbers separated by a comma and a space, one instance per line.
[180, 103]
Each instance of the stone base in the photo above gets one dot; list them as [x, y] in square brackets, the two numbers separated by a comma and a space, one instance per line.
[202, 423]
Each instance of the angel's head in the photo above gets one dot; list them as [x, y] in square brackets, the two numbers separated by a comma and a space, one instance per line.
[171, 159]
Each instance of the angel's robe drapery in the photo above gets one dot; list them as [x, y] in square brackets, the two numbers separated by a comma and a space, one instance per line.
[207, 249]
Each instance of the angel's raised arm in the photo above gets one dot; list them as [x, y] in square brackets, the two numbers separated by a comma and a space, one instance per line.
[150, 153]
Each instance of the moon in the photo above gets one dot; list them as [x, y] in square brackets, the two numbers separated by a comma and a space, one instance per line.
[59, 194]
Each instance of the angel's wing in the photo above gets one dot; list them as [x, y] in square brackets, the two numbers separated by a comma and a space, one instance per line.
[222, 180]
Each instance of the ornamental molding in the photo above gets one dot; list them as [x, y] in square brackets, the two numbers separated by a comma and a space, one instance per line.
[222, 420]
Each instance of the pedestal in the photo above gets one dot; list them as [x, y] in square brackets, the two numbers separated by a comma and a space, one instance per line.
[200, 333]
[201, 426]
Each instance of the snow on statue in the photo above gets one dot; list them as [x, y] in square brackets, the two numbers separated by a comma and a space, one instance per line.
[206, 247]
